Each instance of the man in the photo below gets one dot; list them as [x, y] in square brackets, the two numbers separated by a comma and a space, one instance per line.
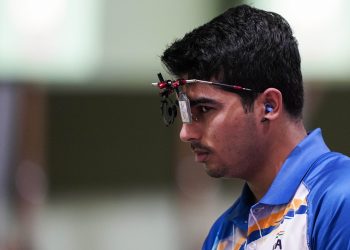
[245, 121]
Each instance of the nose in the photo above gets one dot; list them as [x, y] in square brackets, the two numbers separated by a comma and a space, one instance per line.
[189, 132]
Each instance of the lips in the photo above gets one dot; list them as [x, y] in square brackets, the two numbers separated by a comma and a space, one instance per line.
[201, 156]
[201, 152]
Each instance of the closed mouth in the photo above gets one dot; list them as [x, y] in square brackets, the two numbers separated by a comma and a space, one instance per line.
[201, 155]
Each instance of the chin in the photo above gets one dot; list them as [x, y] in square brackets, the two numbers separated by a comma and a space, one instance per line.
[216, 172]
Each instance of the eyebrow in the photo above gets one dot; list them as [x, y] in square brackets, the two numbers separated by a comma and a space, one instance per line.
[202, 100]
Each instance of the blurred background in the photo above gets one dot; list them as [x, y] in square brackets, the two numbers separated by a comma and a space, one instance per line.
[85, 160]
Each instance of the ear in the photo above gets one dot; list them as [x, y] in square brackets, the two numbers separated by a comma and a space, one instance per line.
[270, 104]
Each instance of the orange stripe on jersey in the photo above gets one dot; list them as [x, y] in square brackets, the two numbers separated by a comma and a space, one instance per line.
[239, 243]
[225, 243]
[222, 245]
[273, 219]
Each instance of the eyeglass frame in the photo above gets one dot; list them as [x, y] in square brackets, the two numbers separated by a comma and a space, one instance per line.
[167, 87]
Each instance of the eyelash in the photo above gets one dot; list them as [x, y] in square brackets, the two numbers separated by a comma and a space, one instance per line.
[204, 109]
[201, 111]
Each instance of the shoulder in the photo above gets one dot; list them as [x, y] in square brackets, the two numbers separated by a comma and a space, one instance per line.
[329, 202]
[215, 230]
[328, 181]
[219, 229]
[329, 176]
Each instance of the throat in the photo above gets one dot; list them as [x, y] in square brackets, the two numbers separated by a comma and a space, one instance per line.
[260, 184]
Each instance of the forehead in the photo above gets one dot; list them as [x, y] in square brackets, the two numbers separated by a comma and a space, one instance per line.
[202, 90]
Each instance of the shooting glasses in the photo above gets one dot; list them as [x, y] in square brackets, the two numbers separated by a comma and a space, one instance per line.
[172, 97]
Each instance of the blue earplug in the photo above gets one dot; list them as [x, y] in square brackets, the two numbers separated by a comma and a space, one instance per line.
[268, 108]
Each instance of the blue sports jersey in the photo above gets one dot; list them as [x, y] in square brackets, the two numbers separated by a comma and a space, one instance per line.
[306, 207]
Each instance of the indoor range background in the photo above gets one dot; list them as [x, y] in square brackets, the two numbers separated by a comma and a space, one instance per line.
[85, 160]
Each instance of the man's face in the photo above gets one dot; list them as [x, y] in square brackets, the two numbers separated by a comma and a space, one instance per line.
[222, 135]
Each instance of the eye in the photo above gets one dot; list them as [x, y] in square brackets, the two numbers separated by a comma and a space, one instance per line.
[204, 109]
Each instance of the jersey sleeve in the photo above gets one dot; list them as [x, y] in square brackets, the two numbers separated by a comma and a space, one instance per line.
[329, 209]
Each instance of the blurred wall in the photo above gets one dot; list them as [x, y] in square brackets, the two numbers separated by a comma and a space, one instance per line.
[93, 165]
[108, 141]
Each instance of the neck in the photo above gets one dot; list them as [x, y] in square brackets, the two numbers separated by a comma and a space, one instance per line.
[279, 144]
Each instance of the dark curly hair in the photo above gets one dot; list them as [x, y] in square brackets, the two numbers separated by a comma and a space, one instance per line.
[245, 46]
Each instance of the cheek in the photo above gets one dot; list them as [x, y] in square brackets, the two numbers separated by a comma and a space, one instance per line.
[221, 130]
[232, 132]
